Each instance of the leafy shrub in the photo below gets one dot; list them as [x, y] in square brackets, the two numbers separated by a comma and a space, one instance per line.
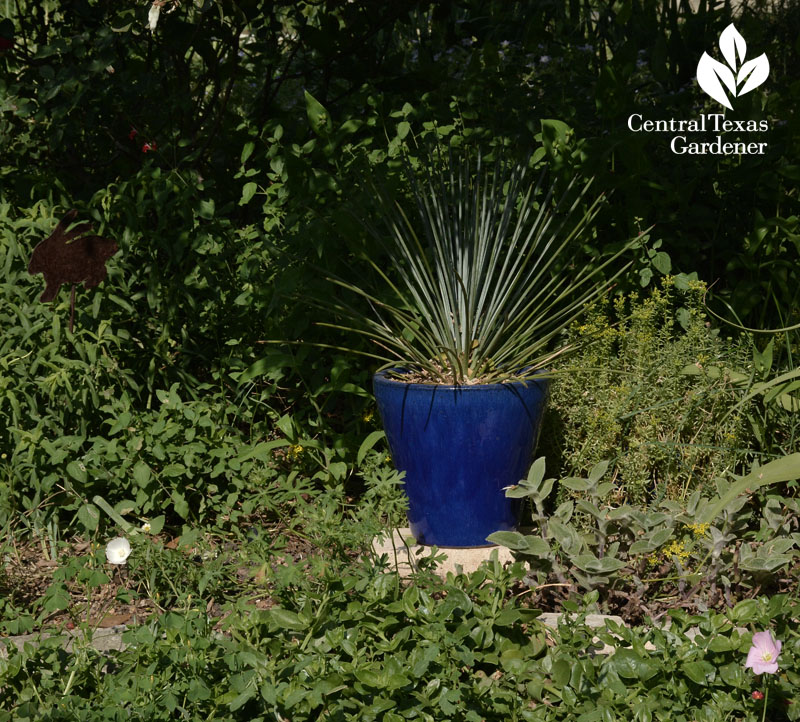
[628, 399]
[88, 412]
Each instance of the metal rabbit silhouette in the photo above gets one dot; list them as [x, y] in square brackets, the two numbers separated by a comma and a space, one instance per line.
[72, 257]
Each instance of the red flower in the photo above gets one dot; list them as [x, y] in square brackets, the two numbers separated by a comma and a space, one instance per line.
[133, 133]
[152, 145]
[757, 694]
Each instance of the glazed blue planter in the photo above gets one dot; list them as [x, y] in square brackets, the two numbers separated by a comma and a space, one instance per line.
[459, 447]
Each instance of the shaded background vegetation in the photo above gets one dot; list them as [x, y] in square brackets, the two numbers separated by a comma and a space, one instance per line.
[221, 151]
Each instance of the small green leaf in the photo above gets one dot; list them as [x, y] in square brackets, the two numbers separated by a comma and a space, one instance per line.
[180, 504]
[662, 263]
[629, 665]
[242, 698]
[660, 537]
[368, 678]
[510, 539]
[89, 516]
[284, 423]
[173, 470]
[286, 619]
[141, 474]
[508, 616]
[565, 535]
[77, 471]
[610, 564]
[577, 484]
[56, 598]
[536, 546]
[561, 672]
[529, 544]
[247, 151]
[536, 472]
[367, 444]
[157, 524]
[700, 672]
[318, 117]
[598, 471]
[207, 208]
[97, 579]
[745, 612]
[248, 191]
[720, 643]
[763, 359]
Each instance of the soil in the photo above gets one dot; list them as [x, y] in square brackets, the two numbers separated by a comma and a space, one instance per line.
[28, 573]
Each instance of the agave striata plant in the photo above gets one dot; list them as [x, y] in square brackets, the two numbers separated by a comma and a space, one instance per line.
[485, 271]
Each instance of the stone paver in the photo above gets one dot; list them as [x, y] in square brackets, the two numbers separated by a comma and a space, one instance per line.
[103, 640]
[409, 552]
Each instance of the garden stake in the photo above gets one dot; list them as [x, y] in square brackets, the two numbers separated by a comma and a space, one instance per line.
[72, 308]
[71, 257]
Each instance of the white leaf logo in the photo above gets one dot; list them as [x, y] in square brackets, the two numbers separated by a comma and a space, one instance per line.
[715, 77]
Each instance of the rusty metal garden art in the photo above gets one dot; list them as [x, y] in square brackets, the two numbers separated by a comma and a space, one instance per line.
[71, 256]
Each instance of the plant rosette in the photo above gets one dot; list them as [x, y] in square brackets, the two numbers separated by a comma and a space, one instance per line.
[483, 270]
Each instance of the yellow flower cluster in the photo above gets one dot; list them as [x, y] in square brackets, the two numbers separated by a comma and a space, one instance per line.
[699, 530]
[653, 560]
[677, 549]
[295, 450]
[674, 549]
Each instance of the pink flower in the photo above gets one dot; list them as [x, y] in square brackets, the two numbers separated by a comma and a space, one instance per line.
[133, 134]
[763, 655]
[152, 145]
[757, 694]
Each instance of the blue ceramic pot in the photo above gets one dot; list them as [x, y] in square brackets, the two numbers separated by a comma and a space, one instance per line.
[460, 446]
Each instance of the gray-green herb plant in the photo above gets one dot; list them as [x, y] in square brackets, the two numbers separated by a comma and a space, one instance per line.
[592, 544]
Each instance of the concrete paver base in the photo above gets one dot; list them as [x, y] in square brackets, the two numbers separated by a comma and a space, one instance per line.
[409, 553]
[103, 640]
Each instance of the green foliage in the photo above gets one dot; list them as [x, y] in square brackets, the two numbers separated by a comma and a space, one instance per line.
[615, 549]
[360, 647]
[219, 150]
[638, 396]
[138, 405]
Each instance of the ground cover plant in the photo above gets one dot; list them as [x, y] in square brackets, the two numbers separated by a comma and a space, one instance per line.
[199, 411]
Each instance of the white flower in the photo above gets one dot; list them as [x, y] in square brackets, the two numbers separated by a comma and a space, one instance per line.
[118, 550]
[152, 16]
[146, 527]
